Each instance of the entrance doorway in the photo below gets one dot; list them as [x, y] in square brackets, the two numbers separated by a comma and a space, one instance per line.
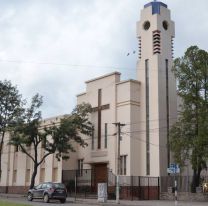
[100, 174]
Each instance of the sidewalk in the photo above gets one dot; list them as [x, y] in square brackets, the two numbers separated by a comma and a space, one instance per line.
[80, 201]
[140, 203]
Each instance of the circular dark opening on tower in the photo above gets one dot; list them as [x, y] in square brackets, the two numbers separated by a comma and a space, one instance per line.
[165, 25]
[146, 25]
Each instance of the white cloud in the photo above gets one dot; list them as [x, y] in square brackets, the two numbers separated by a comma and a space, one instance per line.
[80, 32]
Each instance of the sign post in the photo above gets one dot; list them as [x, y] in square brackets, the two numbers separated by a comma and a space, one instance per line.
[174, 169]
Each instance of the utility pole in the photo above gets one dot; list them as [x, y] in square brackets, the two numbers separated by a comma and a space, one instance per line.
[118, 125]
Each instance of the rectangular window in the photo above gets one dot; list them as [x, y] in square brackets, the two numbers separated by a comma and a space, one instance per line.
[27, 176]
[42, 175]
[147, 117]
[28, 162]
[16, 148]
[106, 134]
[80, 167]
[43, 143]
[14, 176]
[0, 174]
[55, 174]
[123, 164]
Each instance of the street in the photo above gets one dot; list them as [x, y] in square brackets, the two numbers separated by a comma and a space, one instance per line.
[89, 202]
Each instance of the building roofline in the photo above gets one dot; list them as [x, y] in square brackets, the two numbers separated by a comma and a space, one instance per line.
[129, 80]
[80, 94]
[104, 76]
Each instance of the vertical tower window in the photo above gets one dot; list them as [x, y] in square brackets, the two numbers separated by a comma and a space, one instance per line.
[93, 138]
[106, 135]
[147, 117]
[167, 107]
[172, 46]
[99, 117]
[140, 47]
[156, 42]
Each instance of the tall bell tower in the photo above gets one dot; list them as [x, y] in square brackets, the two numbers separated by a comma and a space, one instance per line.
[155, 33]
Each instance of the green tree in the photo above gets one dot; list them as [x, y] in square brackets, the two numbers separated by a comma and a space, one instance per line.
[29, 135]
[10, 109]
[189, 136]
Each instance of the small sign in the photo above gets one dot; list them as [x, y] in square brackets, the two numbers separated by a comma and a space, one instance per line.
[173, 169]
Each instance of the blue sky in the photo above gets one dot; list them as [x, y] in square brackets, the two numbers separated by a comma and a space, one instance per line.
[53, 46]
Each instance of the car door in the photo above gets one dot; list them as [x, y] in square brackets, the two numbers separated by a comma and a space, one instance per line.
[41, 190]
[36, 191]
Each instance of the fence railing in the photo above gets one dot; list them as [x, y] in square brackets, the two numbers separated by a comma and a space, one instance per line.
[131, 187]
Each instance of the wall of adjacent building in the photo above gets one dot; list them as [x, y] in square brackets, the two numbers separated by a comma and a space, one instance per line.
[17, 167]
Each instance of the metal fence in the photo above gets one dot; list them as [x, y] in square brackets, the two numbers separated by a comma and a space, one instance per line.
[184, 183]
[135, 187]
[131, 187]
[80, 182]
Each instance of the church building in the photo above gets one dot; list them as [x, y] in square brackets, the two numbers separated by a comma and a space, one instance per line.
[131, 118]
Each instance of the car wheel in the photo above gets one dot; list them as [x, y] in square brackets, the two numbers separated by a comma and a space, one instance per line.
[29, 197]
[46, 198]
[63, 200]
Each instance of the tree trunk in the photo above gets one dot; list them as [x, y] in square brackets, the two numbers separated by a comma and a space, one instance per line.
[193, 185]
[1, 148]
[32, 182]
[196, 179]
[0, 164]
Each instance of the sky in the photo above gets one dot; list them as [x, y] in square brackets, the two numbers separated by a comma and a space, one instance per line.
[52, 47]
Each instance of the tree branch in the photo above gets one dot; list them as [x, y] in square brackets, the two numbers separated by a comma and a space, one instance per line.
[25, 151]
[44, 157]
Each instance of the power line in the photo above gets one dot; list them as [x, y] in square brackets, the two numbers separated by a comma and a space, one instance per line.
[142, 131]
[141, 140]
[55, 64]
[75, 65]
[151, 120]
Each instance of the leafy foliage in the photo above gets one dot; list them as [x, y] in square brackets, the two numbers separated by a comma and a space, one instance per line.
[10, 109]
[69, 132]
[58, 138]
[189, 136]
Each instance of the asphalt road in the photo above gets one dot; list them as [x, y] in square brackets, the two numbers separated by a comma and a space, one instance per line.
[88, 202]
[39, 202]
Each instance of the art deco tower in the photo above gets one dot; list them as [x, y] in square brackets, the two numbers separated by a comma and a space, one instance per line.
[155, 33]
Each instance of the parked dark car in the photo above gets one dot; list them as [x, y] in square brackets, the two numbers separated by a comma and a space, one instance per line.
[47, 191]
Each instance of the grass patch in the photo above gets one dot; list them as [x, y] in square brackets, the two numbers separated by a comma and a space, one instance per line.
[5, 203]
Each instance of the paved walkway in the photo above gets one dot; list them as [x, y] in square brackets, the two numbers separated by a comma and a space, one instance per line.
[81, 202]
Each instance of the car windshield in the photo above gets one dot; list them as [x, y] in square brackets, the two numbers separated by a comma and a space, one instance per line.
[38, 187]
[59, 185]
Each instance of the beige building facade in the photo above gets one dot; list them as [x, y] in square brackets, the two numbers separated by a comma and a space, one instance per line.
[141, 110]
